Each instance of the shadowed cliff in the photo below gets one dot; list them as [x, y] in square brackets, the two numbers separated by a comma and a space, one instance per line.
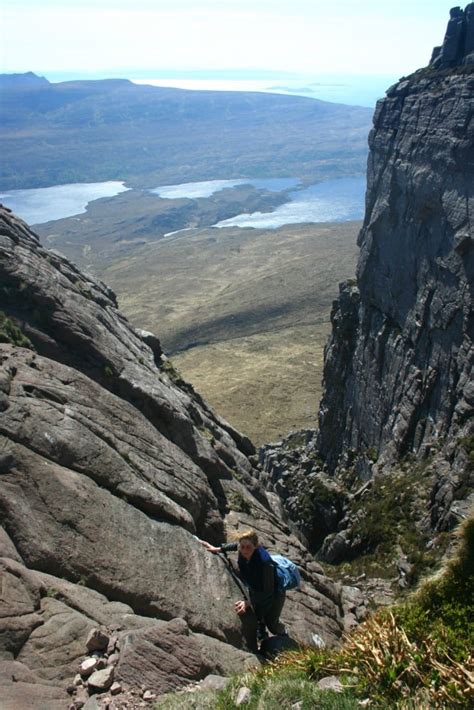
[390, 471]
[398, 370]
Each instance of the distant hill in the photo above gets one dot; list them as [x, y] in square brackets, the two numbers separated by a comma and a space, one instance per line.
[113, 129]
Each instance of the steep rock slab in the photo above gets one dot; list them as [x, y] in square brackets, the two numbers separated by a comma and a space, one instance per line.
[107, 469]
[22, 689]
[399, 365]
[74, 320]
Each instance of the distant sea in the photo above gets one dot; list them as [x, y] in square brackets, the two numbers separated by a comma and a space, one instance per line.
[352, 90]
[358, 90]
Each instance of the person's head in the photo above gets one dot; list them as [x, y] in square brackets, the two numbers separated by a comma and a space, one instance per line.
[248, 542]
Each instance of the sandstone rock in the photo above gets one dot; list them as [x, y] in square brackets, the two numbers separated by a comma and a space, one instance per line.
[97, 640]
[112, 645]
[22, 689]
[82, 696]
[7, 548]
[336, 547]
[350, 622]
[92, 704]
[148, 696]
[88, 666]
[101, 680]
[399, 364]
[115, 688]
[169, 656]
[243, 696]
[458, 42]
[291, 468]
[330, 682]
[214, 682]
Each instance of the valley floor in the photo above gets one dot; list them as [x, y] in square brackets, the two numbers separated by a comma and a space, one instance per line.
[243, 314]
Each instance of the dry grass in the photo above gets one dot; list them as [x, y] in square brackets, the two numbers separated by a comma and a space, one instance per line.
[244, 314]
[265, 384]
[416, 655]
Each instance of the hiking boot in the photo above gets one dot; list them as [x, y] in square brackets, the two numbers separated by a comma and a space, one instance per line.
[262, 633]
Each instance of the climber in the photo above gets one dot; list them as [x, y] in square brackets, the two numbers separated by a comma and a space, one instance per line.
[259, 574]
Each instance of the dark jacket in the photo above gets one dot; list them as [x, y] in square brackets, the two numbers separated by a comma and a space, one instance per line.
[259, 575]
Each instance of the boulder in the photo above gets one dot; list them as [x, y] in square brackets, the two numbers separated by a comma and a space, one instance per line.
[97, 640]
[101, 680]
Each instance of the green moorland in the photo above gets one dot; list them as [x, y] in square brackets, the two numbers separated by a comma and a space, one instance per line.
[83, 131]
[416, 655]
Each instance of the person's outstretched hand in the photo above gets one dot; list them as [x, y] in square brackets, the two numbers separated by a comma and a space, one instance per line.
[241, 607]
[209, 547]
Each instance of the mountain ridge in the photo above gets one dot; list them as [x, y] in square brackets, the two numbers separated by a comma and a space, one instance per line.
[86, 131]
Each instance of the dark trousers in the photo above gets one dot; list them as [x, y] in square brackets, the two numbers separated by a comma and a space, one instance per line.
[271, 616]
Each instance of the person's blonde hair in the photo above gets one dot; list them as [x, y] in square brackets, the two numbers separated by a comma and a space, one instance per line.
[249, 534]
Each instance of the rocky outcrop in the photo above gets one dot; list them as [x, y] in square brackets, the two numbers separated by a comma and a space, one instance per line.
[292, 472]
[110, 465]
[390, 470]
[399, 366]
[458, 46]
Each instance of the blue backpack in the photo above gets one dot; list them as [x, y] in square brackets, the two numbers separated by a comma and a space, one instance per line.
[288, 573]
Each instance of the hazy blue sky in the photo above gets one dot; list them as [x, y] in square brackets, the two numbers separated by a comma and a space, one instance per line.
[304, 36]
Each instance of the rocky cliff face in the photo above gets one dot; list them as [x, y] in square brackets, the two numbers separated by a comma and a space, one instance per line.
[109, 465]
[391, 468]
[399, 366]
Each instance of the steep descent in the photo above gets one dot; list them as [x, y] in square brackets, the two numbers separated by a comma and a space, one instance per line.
[109, 465]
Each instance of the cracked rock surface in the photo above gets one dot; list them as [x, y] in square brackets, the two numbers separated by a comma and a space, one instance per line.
[399, 366]
[109, 466]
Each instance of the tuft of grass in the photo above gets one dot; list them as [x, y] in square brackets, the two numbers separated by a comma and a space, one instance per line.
[52, 593]
[207, 434]
[173, 373]
[11, 333]
[286, 692]
[237, 502]
[421, 649]
[198, 700]
[266, 693]
[372, 454]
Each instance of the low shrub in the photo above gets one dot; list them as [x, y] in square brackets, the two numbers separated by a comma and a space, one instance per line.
[11, 333]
